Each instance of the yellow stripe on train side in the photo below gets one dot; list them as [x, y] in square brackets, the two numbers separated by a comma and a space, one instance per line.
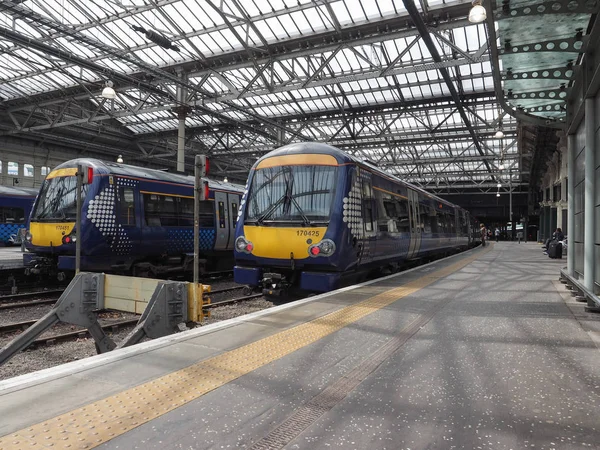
[67, 172]
[280, 242]
[42, 234]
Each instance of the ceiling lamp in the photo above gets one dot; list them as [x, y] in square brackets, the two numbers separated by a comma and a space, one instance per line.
[499, 185]
[225, 180]
[120, 159]
[498, 194]
[477, 13]
[108, 91]
[499, 134]
[501, 166]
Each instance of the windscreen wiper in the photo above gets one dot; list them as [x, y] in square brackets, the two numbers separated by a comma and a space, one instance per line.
[270, 211]
[306, 220]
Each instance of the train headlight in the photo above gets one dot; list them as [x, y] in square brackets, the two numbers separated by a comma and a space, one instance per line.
[324, 248]
[70, 239]
[243, 245]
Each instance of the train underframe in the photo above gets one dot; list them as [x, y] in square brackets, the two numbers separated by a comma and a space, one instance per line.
[62, 267]
[280, 284]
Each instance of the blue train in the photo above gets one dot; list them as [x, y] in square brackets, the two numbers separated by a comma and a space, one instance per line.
[15, 206]
[313, 218]
[134, 221]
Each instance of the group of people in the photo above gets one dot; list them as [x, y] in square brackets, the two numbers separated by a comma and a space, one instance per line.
[557, 236]
[486, 234]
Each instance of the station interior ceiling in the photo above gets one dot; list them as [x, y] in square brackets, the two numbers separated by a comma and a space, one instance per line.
[464, 110]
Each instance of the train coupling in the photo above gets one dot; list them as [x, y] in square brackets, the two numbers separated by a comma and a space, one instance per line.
[274, 284]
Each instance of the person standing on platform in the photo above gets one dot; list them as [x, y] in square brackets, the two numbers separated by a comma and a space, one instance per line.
[483, 232]
[497, 234]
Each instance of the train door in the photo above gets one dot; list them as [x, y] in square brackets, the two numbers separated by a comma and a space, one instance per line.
[233, 201]
[222, 223]
[128, 212]
[415, 224]
[369, 232]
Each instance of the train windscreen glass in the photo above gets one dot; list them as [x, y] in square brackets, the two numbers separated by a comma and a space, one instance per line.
[292, 194]
[57, 201]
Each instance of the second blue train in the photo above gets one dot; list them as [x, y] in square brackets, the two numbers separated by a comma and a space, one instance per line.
[134, 221]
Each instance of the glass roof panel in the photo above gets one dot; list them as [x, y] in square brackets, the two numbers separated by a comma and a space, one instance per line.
[534, 52]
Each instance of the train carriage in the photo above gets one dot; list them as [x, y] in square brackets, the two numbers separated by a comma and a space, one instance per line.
[313, 217]
[134, 220]
[15, 206]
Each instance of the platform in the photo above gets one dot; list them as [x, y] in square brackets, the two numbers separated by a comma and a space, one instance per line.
[485, 349]
[11, 257]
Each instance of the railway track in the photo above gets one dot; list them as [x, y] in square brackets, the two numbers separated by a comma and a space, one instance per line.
[233, 300]
[25, 295]
[114, 326]
[50, 340]
[17, 300]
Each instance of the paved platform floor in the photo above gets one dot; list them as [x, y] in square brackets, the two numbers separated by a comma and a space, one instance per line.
[485, 350]
[11, 257]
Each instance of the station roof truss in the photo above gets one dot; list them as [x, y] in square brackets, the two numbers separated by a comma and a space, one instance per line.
[249, 76]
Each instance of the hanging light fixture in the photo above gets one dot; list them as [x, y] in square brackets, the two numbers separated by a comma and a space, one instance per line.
[108, 91]
[498, 194]
[499, 185]
[120, 159]
[477, 13]
[225, 180]
[499, 134]
[501, 166]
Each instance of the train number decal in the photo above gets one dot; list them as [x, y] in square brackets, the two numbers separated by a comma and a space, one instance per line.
[308, 233]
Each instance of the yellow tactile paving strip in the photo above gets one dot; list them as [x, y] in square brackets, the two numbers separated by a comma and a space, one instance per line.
[101, 421]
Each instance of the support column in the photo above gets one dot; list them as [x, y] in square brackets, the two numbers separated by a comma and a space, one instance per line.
[588, 239]
[181, 144]
[182, 110]
[571, 205]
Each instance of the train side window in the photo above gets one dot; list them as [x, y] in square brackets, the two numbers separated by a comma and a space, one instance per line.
[430, 219]
[152, 210]
[222, 215]
[402, 217]
[185, 211]
[207, 214]
[234, 214]
[11, 215]
[126, 206]
[367, 205]
[45, 170]
[28, 170]
[168, 210]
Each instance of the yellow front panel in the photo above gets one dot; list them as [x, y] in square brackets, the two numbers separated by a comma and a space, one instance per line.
[44, 233]
[273, 242]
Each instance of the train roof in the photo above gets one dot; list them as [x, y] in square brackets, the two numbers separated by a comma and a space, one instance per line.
[343, 157]
[18, 191]
[127, 170]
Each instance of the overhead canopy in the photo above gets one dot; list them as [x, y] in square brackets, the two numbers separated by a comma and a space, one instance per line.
[250, 76]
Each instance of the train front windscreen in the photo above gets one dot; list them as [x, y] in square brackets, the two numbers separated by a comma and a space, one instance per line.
[57, 200]
[291, 195]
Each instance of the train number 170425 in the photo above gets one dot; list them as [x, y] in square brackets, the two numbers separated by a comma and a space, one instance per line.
[308, 233]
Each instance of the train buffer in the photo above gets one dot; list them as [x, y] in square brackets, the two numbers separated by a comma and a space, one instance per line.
[166, 307]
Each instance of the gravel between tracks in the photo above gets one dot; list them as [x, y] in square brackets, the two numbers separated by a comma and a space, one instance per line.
[43, 357]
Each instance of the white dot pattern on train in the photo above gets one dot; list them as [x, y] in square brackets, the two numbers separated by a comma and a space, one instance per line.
[101, 212]
[352, 214]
